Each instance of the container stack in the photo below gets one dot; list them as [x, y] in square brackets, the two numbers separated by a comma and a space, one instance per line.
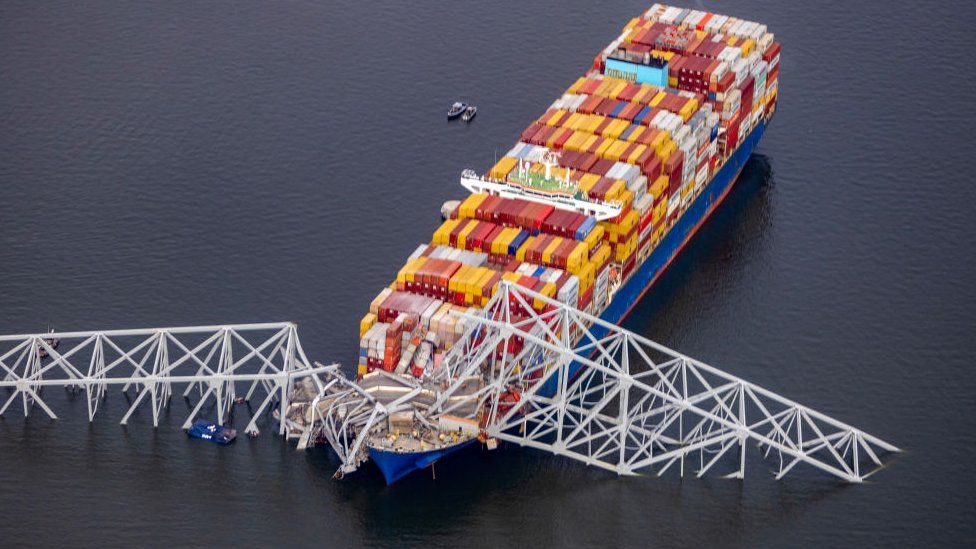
[645, 130]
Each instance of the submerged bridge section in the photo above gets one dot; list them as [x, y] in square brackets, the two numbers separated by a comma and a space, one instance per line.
[560, 381]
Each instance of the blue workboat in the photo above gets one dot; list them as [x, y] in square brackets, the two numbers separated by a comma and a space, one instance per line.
[208, 430]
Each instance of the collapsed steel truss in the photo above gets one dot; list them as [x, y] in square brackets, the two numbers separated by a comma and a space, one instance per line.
[211, 361]
[580, 387]
[561, 380]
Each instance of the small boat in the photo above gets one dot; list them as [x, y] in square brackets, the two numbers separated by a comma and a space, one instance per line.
[208, 430]
[456, 110]
[469, 113]
[51, 342]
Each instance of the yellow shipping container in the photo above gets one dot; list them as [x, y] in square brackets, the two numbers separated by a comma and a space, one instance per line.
[688, 109]
[659, 211]
[587, 181]
[501, 168]
[673, 81]
[626, 196]
[603, 146]
[442, 235]
[747, 46]
[661, 54]
[614, 151]
[571, 121]
[660, 140]
[591, 123]
[468, 208]
[659, 187]
[594, 237]
[630, 221]
[615, 128]
[575, 143]
[576, 257]
[601, 89]
[547, 253]
[635, 154]
[520, 253]
[616, 190]
[556, 117]
[638, 130]
[617, 89]
[589, 142]
[645, 94]
[366, 323]
[657, 99]
[462, 243]
[666, 151]
[658, 234]
[576, 85]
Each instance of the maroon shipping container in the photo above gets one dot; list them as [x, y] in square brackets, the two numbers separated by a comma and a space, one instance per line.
[672, 169]
[457, 230]
[560, 256]
[628, 92]
[652, 166]
[771, 54]
[567, 159]
[602, 125]
[479, 237]
[587, 161]
[602, 166]
[530, 131]
[600, 188]
[725, 83]
[748, 91]
[606, 107]
[553, 223]
[709, 49]
[402, 303]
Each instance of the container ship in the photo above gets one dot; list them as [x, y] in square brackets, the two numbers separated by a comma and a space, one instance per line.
[590, 206]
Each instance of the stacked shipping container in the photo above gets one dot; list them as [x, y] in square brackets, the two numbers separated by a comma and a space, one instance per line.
[663, 107]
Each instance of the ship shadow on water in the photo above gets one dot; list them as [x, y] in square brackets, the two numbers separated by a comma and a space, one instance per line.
[738, 230]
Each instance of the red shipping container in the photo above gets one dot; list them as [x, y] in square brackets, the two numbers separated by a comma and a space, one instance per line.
[530, 131]
[564, 135]
[590, 104]
[590, 86]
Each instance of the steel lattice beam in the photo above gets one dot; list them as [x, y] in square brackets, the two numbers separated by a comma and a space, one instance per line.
[592, 391]
[213, 361]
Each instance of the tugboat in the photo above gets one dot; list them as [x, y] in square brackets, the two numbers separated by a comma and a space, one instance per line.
[469, 113]
[208, 430]
[456, 110]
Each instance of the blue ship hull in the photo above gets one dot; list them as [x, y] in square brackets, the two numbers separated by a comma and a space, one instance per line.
[397, 465]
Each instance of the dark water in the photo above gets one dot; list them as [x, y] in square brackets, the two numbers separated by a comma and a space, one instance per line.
[182, 163]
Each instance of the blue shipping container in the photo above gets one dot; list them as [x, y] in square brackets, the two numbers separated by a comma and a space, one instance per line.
[642, 74]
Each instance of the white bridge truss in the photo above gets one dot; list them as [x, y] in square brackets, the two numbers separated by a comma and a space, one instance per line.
[594, 392]
[217, 365]
[561, 381]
